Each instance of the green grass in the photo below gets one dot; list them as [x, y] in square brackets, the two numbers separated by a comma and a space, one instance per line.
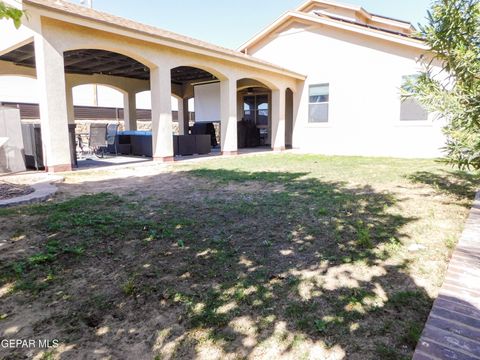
[287, 167]
[280, 251]
[412, 334]
[386, 352]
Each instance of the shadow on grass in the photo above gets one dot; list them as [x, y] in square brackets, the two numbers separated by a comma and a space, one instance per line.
[274, 264]
[460, 184]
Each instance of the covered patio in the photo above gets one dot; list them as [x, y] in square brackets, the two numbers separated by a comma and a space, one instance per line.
[64, 45]
[119, 161]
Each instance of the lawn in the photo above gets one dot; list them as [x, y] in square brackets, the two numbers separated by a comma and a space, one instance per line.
[259, 257]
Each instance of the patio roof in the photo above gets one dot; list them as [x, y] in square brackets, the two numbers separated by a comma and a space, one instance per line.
[84, 13]
[91, 61]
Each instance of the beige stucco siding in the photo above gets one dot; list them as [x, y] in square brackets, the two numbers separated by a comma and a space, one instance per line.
[365, 76]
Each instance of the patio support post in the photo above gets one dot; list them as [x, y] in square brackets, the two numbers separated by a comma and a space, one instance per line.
[297, 101]
[183, 119]
[130, 110]
[69, 99]
[162, 129]
[278, 119]
[53, 105]
[180, 117]
[186, 116]
[228, 100]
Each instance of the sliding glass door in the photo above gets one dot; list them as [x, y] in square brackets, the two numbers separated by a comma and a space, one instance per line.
[256, 109]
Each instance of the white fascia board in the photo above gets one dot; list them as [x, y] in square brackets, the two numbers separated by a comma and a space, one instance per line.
[337, 24]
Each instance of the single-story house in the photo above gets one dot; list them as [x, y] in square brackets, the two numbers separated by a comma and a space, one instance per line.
[323, 78]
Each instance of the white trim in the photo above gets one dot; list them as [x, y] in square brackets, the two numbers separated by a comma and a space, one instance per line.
[307, 4]
[320, 123]
[260, 35]
[403, 40]
[393, 22]
[368, 15]
[413, 123]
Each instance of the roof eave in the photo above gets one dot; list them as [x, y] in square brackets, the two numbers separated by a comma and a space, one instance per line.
[266, 31]
[195, 48]
[303, 16]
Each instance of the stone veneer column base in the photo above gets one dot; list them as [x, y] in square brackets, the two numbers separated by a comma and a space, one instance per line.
[164, 159]
[229, 153]
[58, 168]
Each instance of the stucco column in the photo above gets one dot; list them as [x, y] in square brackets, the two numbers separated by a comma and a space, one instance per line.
[69, 99]
[130, 110]
[181, 128]
[278, 120]
[162, 129]
[183, 116]
[297, 113]
[53, 106]
[186, 116]
[228, 100]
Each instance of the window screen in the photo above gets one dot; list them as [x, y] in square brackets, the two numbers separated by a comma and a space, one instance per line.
[318, 103]
[411, 109]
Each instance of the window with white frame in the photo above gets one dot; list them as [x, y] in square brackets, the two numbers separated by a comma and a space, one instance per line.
[411, 109]
[319, 96]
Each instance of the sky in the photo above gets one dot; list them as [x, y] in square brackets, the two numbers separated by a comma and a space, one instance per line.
[230, 23]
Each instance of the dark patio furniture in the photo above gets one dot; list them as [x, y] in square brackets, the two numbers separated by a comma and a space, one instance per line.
[33, 148]
[121, 145]
[132, 142]
[248, 135]
[203, 144]
[191, 144]
[186, 144]
[141, 144]
[206, 129]
[32, 142]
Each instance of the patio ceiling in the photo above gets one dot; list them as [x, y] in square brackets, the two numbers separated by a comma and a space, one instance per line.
[90, 61]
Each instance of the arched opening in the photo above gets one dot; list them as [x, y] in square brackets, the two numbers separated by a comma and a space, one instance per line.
[177, 113]
[143, 99]
[18, 89]
[110, 98]
[18, 108]
[199, 109]
[97, 95]
[254, 113]
[97, 104]
[288, 118]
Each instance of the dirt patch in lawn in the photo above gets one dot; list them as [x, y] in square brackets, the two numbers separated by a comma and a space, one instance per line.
[225, 264]
[9, 191]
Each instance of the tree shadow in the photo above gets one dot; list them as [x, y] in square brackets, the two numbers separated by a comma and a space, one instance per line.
[461, 184]
[248, 265]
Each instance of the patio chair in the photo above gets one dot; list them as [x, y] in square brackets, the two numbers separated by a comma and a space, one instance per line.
[97, 139]
[80, 147]
[112, 130]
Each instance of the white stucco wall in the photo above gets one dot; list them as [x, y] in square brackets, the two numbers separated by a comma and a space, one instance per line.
[365, 75]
